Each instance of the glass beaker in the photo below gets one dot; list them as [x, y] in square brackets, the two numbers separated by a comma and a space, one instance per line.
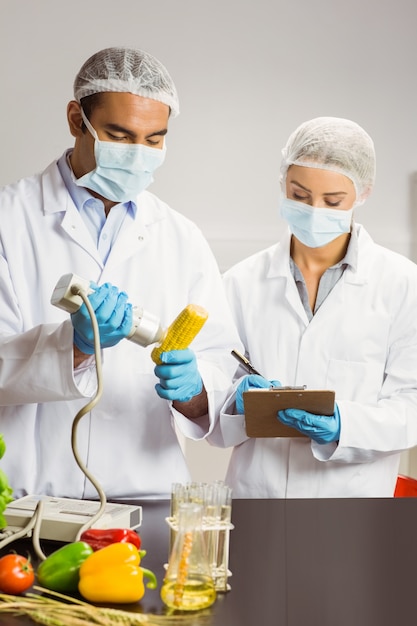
[188, 584]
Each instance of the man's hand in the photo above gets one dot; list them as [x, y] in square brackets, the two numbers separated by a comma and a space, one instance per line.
[179, 378]
[114, 318]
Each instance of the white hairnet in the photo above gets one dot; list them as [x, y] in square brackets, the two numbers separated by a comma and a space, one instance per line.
[126, 70]
[334, 144]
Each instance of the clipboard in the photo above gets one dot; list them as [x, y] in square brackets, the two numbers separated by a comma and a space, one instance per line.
[262, 405]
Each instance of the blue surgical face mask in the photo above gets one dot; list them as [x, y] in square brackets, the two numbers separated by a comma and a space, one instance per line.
[315, 227]
[122, 170]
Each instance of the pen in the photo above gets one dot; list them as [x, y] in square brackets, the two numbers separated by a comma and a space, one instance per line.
[245, 363]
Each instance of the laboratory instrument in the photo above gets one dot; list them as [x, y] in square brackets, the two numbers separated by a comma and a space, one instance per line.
[188, 584]
[146, 328]
[63, 517]
[216, 500]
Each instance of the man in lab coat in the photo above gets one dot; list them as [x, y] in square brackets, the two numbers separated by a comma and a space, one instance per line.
[327, 308]
[89, 213]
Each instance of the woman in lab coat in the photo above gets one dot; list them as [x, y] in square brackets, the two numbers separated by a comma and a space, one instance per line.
[91, 215]
[328, 308]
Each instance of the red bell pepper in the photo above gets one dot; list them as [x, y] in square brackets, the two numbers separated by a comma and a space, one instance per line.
[99, 538]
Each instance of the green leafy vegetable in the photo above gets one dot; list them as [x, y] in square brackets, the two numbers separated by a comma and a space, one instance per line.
[5, 489]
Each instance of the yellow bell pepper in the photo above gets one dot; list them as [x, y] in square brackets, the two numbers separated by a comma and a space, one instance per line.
[112, 574]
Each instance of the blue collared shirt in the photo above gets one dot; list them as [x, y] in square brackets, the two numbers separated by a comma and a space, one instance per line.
[103, 230]
[330, 277]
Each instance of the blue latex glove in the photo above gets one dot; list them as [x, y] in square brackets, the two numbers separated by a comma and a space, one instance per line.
[114, 317]
[252, 382]
[320, 428]
[179, 378]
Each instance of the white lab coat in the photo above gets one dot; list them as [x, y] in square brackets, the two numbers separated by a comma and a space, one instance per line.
[362, 343]
[128, 441]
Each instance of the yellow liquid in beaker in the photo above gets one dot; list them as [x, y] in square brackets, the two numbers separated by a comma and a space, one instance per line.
[194, 595]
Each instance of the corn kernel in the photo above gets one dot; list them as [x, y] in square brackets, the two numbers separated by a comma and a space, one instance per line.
[182, 331]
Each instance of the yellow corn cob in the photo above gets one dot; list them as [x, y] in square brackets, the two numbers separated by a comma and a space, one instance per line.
[182, 331]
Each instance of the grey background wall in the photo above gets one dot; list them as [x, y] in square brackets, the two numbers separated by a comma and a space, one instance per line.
[247, 73]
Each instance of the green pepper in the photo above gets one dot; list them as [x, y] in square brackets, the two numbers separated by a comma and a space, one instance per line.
[60, 571]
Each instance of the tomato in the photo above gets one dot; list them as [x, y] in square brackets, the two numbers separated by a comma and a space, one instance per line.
[16, 574]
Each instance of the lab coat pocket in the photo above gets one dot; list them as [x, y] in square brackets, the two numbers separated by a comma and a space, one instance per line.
[358, 381]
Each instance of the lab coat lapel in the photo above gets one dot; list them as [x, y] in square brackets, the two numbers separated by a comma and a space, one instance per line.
[350, 279]
[57, 200]
[344, 294]
[75, 228]
[280, 268]
[361, 275]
